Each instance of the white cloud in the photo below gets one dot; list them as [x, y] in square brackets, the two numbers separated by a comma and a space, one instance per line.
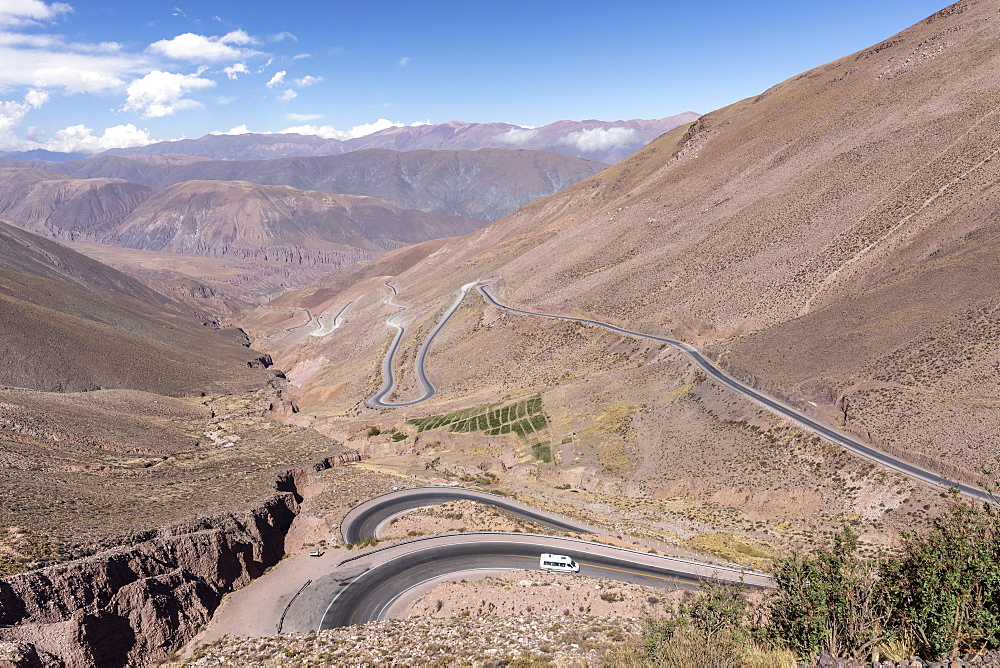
[404, 61]
[81, 139]
[598, 139]
[289, 94]
[162, 93]
[241, 129]
[303, 118]
[55, 42]
[75, 80]
[330, 132]
[36, 98]
[308, 80]
[45, 62]
[300, 56]
[27, 12]
[277, 79]
[101, 47]
[235, 70]
[199, 48]
[76, 138]
[11, 115]
[516, 136]
[21, 39]
[237, 37]
[283, 35]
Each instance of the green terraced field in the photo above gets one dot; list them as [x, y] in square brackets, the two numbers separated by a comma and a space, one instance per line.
[524, 418]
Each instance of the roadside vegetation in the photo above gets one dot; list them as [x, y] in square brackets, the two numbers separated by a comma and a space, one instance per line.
[937, 597]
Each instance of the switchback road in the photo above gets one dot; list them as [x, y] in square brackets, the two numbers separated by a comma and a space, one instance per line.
[335, 323]
[832, 435]
[388, 380]
[384, 576]
[364, 520]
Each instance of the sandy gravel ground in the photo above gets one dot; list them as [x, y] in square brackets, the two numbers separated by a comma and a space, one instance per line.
[533, 592]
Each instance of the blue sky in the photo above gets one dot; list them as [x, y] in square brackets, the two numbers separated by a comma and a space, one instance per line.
[91, 75]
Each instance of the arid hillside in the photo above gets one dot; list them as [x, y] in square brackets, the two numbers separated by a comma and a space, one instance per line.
[71, 324]
[484, 184]
[259, 238]
[52, 205]
[143, 473]
[217, 218]
[832, 240]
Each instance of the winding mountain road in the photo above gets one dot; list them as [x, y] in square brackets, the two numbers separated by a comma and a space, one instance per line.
[388, 380]
[834, 436]
[323, 330]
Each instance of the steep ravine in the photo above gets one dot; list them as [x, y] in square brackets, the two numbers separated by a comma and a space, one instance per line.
[134, 604]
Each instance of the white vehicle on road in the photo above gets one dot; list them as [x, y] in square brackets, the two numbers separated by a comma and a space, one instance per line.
[559, 563]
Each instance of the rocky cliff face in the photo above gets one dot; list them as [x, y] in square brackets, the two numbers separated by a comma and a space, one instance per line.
[134, 604]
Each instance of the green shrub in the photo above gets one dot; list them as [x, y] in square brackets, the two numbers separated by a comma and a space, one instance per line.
[713, 629]
[940, 595]
[833, 600]
[945, 586]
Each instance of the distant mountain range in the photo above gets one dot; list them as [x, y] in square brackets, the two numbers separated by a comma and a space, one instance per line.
[601, 141]
[485, 184]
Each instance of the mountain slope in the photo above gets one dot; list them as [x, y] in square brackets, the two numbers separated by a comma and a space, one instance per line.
[68, 323]
[224, 218]
[832, 240]
[74, 209]
[217, 218]
[824, 187]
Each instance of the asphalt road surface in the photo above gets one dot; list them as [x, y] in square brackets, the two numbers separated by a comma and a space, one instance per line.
[369, 595]
[363, 520]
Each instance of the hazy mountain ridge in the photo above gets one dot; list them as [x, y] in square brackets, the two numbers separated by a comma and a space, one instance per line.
[223, 217]
[601, 141]
[48, 203]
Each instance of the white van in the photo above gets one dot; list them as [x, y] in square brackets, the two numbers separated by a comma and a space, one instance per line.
[559, 563]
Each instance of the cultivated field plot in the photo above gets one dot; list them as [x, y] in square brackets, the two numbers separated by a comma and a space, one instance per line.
[524, 418]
